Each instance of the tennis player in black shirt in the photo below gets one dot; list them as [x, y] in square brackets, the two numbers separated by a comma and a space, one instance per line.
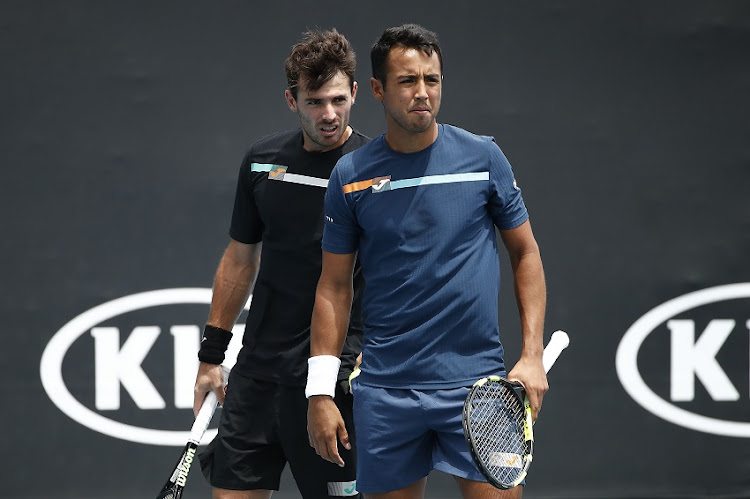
[279, 203]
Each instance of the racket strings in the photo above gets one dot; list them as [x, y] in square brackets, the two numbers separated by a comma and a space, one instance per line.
[496, 422]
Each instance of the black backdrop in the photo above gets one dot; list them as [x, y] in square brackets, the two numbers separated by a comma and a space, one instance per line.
[123, 124]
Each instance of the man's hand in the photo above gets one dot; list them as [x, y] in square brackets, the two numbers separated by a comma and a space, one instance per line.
[210, 377]
[324, 426]
[530, 372]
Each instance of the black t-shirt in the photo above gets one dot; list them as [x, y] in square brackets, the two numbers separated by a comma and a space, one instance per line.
[279, 201]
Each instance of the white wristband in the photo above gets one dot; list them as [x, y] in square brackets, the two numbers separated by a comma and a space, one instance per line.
[322, 373]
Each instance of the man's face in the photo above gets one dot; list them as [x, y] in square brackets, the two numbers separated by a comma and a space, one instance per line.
[324, 113]
[411, 96]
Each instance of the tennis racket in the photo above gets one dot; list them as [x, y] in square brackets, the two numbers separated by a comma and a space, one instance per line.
[498, 425]
[177, 480]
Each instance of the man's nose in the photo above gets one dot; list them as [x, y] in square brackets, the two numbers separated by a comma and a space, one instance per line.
[329, 113]
[421, 90]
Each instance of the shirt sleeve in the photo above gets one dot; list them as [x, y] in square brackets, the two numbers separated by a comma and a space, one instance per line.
[246, 226]
[506, 203]
[341, 230]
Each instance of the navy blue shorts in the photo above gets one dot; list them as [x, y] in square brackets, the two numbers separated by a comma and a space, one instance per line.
[263, 426]
[403, 434]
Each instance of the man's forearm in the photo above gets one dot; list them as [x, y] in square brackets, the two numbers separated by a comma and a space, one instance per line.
[231, 290]
[531, 295]
[330, 319]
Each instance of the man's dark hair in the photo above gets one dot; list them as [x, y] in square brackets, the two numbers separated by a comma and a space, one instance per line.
[411, 36]
[317, 58]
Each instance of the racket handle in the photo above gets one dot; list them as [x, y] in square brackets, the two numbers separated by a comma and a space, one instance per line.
[557, 343]
[206, 412]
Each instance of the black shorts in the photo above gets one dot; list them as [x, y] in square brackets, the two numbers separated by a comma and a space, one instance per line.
[263, 426]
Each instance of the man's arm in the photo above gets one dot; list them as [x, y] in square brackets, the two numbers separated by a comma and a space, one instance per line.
[531, 296]
[330, 320]
[231, 288]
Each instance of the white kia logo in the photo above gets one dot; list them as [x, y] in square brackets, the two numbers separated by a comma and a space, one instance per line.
[691, 360]
[119, 365]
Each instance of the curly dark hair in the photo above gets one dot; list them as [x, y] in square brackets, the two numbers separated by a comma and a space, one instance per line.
[318, 58]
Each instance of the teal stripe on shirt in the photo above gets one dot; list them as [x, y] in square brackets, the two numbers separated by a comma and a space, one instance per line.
[262, 167]
[449, 178]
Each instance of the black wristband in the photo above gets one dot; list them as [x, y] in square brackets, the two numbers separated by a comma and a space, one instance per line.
[213, 344]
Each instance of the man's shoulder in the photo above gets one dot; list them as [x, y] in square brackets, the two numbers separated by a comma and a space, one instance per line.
[277, 141]
[355, 141]
[369, 146]
[356, 158]
[274, 148]
[359, 137]
[455, 133]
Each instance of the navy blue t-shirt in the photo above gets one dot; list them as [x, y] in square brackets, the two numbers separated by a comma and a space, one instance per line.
[423, 225]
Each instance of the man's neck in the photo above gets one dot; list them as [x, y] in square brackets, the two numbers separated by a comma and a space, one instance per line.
[406, 142]
[309, 146]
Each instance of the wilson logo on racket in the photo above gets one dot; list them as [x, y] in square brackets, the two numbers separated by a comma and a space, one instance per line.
[184, 468]
[124, 375]
[705, 335]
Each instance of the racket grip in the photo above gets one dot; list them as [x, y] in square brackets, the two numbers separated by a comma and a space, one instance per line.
[557, 343]
[206, 412]
[204, 417]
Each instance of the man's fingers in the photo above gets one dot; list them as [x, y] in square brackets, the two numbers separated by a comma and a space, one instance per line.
[333, 448]
[210, 377]
[535, 401]
[333, 452]
[344, 438]
[535, 413]
[198, 402]
[325, 428]
[221, 393]
[327, 449]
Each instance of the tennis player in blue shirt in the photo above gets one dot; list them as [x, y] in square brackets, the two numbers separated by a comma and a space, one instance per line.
[420, 206]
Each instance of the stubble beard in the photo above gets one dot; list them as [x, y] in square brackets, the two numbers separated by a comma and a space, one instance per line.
[418, 125]
[310, 128]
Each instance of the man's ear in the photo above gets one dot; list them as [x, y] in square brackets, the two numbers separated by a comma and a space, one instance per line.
[290, 100]
[354, 92]
[377, 89]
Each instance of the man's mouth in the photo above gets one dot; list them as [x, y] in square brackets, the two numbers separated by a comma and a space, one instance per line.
[329, 130]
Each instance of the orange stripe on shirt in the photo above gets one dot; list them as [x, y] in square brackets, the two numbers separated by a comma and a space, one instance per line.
[357, 186]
